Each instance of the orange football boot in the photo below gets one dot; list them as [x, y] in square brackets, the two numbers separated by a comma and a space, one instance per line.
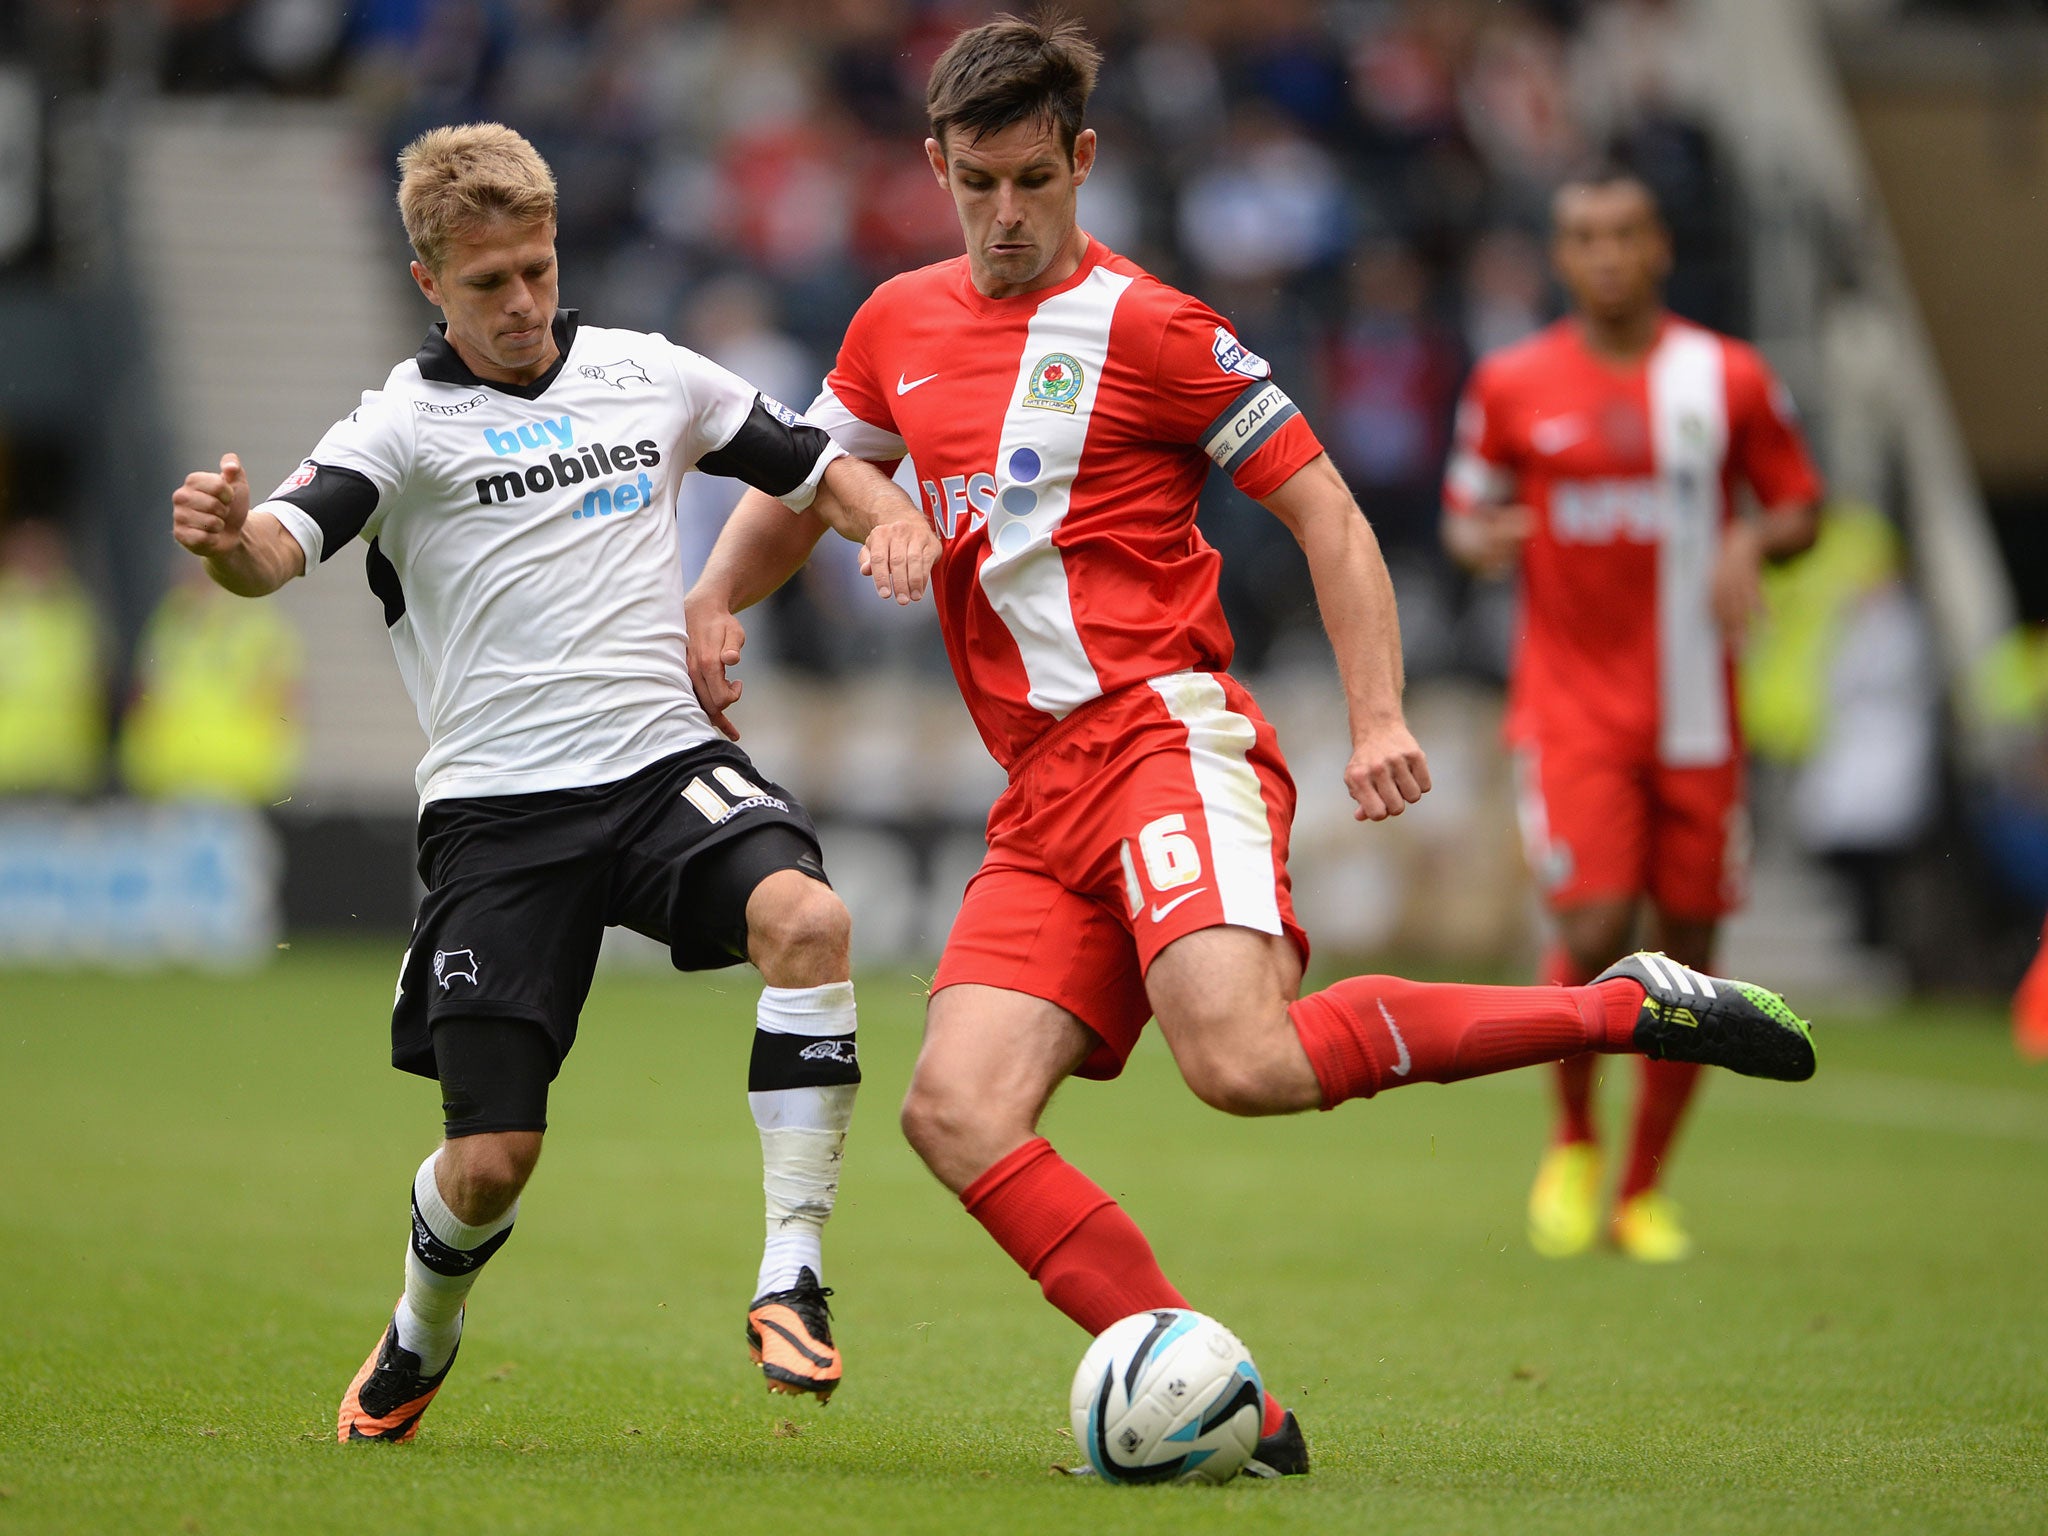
[389, 1394]
[789, 1334]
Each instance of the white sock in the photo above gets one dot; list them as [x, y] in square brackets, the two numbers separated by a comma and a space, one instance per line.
[801, 1086]
[430, 1312]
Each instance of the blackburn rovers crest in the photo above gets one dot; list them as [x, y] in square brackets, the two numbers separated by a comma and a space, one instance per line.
[1055, 383]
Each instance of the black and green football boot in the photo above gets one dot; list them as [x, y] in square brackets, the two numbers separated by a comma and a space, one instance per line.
[1690, 1016]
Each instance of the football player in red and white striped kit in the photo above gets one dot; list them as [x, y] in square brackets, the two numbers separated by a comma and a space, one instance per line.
[1602, 455]
[1062, 408]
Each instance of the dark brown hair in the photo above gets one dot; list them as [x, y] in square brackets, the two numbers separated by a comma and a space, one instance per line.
[1013, 70]
[1609, 171]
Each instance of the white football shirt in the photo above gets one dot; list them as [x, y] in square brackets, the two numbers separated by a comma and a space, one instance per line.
[523, 541]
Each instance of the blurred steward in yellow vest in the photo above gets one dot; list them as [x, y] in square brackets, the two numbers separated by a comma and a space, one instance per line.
[2010, 686]
[1809, 602]
[216, 704]
[53, 737]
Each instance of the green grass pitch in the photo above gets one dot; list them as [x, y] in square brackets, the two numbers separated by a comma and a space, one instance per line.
[202, 1185]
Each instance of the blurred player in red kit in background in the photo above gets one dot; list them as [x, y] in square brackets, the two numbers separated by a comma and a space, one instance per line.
[1602, 456]
[1062, 408]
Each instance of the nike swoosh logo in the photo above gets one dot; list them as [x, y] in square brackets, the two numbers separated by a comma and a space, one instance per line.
[1401, 1066]
[1159, 913]
[904, 387]
[1557, 433]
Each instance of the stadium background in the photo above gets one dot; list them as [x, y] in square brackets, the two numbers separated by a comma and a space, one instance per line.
[200, 254]
[201, 1145]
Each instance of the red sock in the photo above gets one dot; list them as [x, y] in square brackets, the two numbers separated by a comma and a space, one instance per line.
[1574, 1075]
[1573, 1078]
[1066, 1233]
[1667, 1088]
[1374, 1032]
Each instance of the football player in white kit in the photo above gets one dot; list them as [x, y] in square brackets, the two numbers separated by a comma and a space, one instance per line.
[516, 484]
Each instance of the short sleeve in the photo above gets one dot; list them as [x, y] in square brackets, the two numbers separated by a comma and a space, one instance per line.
[349, 480]
[854, 404]
[1479, 472]
[1211, 390]
[732, 429]
[1765, 445]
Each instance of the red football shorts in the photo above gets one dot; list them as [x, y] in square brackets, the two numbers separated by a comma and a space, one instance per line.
[1597, 825]
[1147, 814]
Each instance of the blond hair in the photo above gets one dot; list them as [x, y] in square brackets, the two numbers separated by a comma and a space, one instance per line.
[452, 181]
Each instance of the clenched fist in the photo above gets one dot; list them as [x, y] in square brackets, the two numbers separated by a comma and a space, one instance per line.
[1387, 773]
[209, 510]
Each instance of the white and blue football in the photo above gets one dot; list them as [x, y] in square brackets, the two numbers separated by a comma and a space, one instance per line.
[1167, 1397]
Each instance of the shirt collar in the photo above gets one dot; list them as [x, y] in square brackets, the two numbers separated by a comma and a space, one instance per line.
[440, 363]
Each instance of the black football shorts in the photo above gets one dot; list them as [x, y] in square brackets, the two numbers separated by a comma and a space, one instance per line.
[520, 889]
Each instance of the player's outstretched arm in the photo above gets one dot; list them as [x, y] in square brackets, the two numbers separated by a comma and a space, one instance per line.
[250, 556]
[1387, 772]
[763, 545]
[897, 546]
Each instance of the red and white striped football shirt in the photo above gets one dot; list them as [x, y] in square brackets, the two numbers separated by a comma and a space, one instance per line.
[1630, 471]
[1061, 438]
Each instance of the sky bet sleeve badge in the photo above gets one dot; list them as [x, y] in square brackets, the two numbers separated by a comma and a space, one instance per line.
[1055, 383]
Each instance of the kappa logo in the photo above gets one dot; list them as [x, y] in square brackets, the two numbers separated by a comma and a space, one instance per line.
[618, 374]
[1233, 356]
[459, 408]
[837, 1048]
[454, 965]
[1055, 383]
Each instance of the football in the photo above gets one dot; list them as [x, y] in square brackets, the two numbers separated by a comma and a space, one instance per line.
[1167, 1397]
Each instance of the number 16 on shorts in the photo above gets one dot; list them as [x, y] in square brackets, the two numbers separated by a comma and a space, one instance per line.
[1173, 862]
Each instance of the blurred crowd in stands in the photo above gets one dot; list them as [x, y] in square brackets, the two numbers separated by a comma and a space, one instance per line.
[1361, 186]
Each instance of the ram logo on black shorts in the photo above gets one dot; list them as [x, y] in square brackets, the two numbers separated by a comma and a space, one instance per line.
[454, 965]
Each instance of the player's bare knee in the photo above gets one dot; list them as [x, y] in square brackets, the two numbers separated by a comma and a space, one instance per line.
[1235, 1087]
[933, 1119]
[799, 932]
[955, 1132]
[482, 1175]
